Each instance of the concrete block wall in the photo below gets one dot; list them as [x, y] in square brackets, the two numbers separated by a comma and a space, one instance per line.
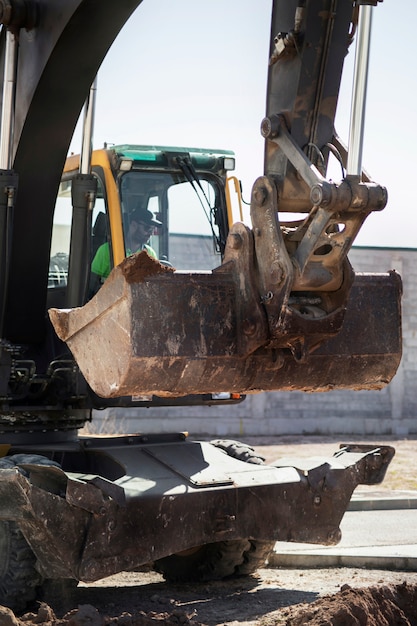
[392, 410]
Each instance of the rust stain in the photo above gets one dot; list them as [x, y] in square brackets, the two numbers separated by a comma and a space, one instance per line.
[140, 266]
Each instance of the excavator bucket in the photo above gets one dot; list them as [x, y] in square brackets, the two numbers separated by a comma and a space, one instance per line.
[130, 340]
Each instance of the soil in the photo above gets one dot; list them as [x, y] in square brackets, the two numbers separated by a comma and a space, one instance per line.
[274, 596]
[291, 597]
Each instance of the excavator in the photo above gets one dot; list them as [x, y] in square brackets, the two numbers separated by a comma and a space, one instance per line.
[277, 306]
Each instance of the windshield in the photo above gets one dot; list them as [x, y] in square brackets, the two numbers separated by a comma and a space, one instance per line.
[183, 216]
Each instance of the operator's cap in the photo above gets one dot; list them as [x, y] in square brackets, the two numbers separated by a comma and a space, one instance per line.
[143, 215]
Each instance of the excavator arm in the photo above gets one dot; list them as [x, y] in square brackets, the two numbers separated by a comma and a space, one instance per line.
[275, 314]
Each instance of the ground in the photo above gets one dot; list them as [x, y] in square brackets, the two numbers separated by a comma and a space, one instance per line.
[275, 596]
[339, 597]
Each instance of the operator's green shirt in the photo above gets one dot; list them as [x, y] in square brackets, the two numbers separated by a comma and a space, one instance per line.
[101, 263]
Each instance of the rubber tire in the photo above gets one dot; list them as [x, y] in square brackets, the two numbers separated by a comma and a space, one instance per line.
[238, 450]
[222, 559]
[19, 577]
[20, 581]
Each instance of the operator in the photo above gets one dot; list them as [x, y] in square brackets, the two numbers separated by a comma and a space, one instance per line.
[141, 225]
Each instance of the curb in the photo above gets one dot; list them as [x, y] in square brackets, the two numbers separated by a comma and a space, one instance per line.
[383, 501]
[366, 561]
[381, 505]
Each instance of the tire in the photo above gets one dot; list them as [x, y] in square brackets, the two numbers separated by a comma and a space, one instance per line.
[19, 577]
[223, 559]
[238, 450]
[20, 581]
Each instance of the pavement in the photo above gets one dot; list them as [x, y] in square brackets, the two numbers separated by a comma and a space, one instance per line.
[379, 531]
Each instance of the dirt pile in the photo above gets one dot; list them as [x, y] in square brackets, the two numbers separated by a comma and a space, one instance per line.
[391, 605]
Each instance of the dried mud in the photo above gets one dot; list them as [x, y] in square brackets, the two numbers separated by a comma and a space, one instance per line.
[372, 606]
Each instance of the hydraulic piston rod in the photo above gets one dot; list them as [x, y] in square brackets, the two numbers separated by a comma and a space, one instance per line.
[7, 113]
[88, 128]
[360, 80]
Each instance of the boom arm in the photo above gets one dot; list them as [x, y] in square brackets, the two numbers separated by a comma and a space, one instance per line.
[61, 46]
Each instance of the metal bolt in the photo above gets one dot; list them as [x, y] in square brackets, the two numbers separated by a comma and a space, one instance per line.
[317, 500]
[267, 297]
[270, 127]
[321, 194]
[316, 195]
[224, 523]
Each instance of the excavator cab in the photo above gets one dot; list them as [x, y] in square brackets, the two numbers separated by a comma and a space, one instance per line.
[183, 190]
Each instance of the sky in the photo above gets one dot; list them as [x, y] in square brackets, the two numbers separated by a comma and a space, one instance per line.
[193, 73]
